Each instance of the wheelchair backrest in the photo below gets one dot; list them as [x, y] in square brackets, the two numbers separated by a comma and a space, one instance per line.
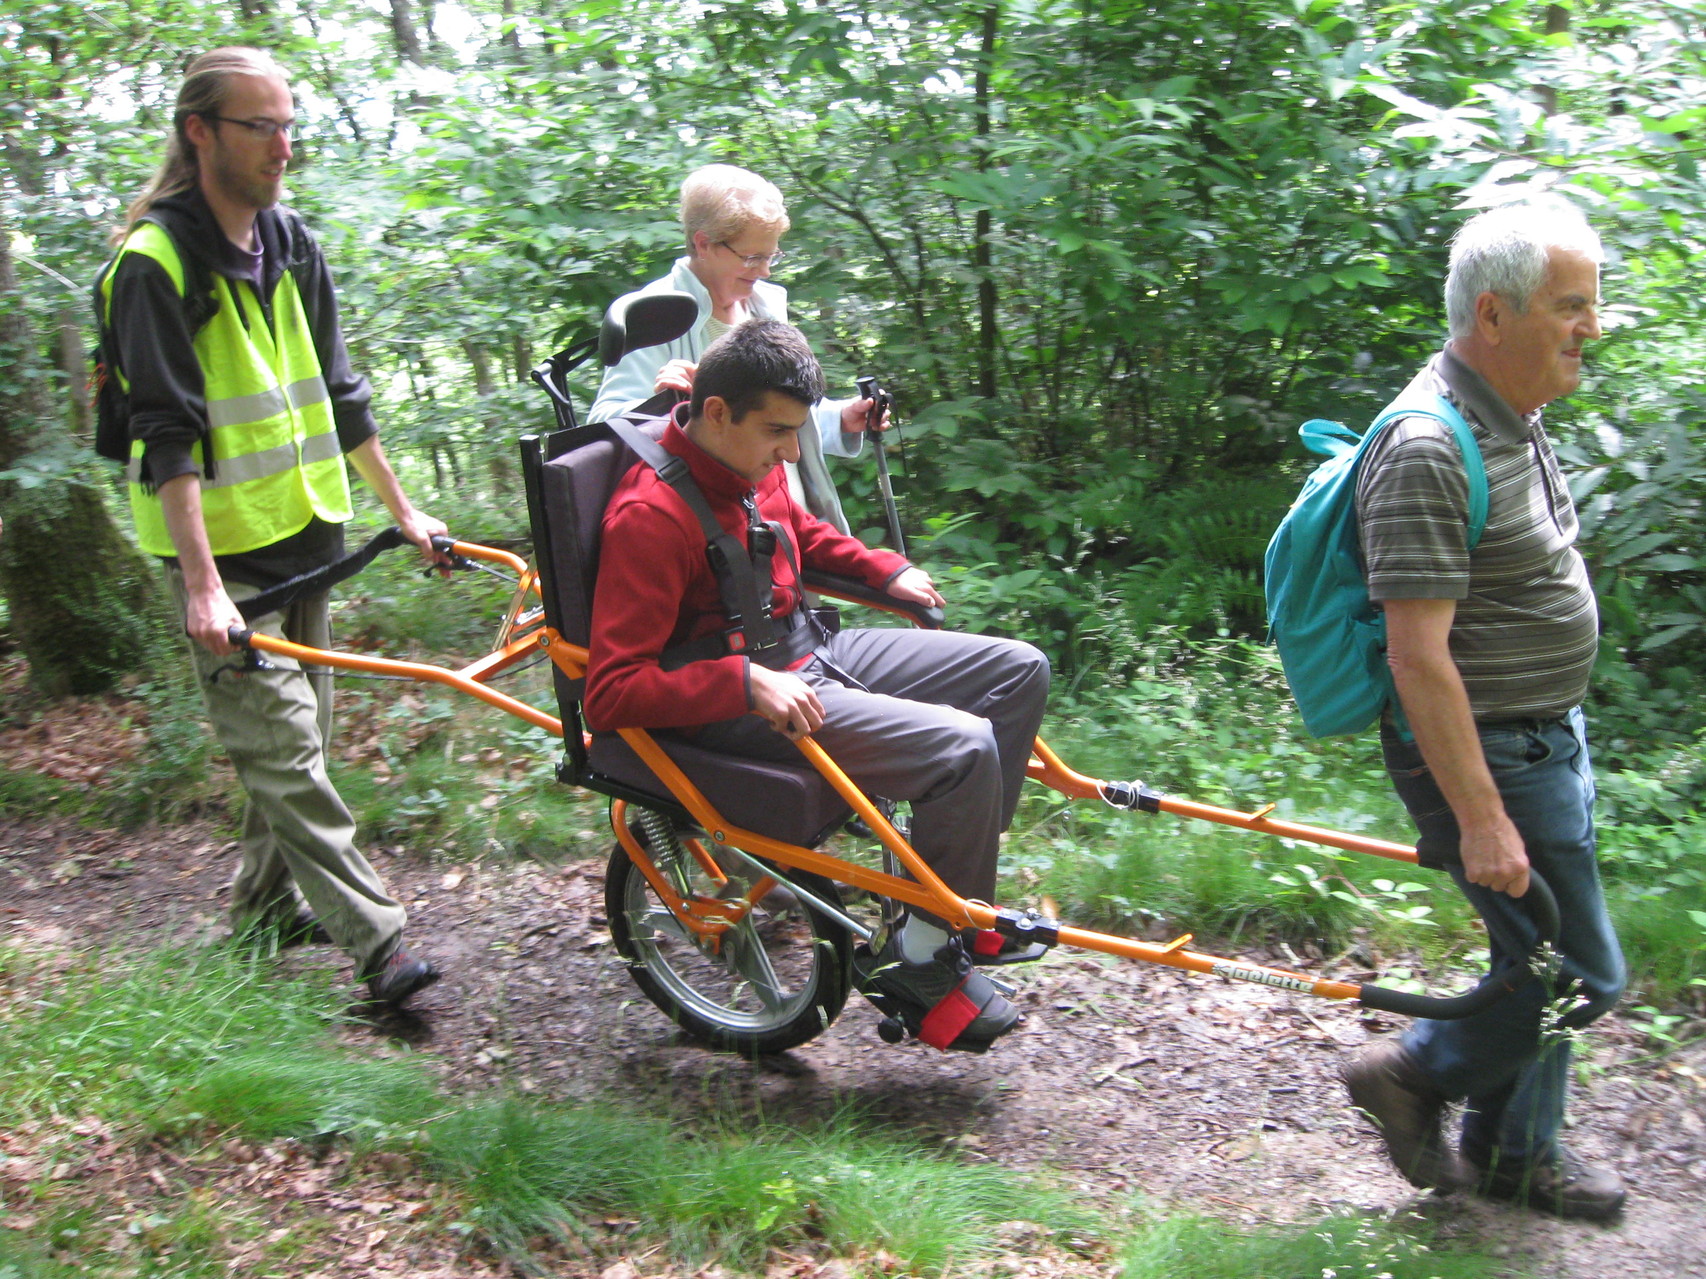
[570, 477]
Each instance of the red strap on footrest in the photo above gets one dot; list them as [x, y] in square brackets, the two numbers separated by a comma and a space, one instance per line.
[944, 1023]
[987, 942]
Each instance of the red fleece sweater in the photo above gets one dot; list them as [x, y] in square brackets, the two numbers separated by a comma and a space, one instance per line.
[656, 589]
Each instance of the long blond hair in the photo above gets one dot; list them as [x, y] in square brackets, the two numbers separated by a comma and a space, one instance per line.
[207, 83]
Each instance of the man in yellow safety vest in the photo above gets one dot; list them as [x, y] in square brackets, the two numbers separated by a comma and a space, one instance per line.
[224, 338]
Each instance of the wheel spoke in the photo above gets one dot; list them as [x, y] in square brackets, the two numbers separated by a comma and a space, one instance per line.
[771, 981]
[748, 957]
[664, 924]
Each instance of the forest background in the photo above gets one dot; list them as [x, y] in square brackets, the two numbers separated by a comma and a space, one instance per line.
[1108, 256]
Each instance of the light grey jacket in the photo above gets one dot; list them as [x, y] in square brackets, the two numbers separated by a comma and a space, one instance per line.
[633, 382]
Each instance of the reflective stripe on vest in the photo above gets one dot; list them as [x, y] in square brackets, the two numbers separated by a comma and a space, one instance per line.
[277, 462]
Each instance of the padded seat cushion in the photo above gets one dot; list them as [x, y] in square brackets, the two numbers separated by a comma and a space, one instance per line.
[787, 802]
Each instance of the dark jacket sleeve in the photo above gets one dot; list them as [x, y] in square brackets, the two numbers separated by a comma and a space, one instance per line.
[156, 353]
[351, 395]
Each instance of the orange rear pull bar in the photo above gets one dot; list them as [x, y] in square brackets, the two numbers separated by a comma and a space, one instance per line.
[1048, 769]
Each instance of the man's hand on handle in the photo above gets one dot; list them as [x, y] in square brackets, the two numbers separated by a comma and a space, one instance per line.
[421, 529]
[1494, 856]
[209, 617]
[855, 417]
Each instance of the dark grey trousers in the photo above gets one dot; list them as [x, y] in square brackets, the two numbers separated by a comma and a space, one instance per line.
[940, 719]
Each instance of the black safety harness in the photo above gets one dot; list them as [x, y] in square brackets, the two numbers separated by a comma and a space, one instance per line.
[745, 581]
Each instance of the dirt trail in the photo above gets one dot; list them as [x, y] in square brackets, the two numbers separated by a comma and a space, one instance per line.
[1216, 1096]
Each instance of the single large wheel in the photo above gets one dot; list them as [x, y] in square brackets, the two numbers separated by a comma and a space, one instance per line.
[774, 980]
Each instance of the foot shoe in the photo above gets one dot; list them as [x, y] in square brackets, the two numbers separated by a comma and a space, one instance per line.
[284, 932]
[988, 948]
[398, 977]
[1561, 1184]
[1388, 1087]
[944, 1001]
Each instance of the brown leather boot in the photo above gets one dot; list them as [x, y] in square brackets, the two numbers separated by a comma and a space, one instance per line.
[1388, 1087]
[1560, 1184]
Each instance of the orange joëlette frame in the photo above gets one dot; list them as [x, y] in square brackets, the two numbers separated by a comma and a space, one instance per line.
[524, 634]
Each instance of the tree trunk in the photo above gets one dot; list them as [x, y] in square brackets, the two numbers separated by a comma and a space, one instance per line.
[403, 31]
[982, 260]
[498, 461]
[74, 363]
[84, 602]
[1557, 22]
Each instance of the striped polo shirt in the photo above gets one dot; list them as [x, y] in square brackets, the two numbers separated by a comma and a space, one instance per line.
[1526, 628]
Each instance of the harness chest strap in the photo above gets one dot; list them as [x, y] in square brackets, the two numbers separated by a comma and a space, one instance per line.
[775, 643]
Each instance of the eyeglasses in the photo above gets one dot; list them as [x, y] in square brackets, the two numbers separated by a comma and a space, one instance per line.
[261, 128]
[752, 261]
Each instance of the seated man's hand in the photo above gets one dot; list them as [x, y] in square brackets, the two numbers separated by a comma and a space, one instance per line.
[677, 375]
[854, 415]
[785, 701]
[915, 586]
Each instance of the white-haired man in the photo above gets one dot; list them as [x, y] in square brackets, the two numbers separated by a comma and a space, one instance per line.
[1490, 650]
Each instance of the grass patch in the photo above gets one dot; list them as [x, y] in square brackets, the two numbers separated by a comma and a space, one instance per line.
[732, 1193]
[186, 1041]
[1656, 891]
[173, 775]
[1338, 1247]
[1237, 749]
[187, 1045]
[316, 1092]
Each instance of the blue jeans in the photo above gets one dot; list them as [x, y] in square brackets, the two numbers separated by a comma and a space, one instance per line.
[1512, 1072]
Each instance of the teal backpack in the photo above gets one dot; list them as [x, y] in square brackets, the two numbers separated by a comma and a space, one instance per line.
[1331, 637]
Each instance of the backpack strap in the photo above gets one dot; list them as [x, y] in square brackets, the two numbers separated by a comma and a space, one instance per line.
[1475, 469]
[110, 384]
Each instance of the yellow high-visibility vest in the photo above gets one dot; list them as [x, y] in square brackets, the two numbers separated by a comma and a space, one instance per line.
[277, 461]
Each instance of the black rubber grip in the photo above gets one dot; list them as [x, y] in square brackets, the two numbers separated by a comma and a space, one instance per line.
[849, 588]
[320, 579]
[1542, 909]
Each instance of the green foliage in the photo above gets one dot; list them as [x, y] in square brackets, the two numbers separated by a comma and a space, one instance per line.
[1338, 1247]
[172, 775]
[538, 1170]
[313, 1091]
[117, 1039]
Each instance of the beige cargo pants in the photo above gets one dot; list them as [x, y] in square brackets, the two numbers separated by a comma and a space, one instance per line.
[275, 726]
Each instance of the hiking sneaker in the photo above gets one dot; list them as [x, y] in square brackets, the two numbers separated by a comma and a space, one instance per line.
[1560, 1184]
[944, 1001]
[400, 975]
[1389, 1088]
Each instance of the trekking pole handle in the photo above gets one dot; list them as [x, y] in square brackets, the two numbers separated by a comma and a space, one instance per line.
[881, 401]
[870, 389]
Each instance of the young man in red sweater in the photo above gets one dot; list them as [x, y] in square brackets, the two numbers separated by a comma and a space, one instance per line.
[942, 720]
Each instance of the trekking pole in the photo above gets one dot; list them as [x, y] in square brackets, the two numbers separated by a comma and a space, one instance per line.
[882, 400]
